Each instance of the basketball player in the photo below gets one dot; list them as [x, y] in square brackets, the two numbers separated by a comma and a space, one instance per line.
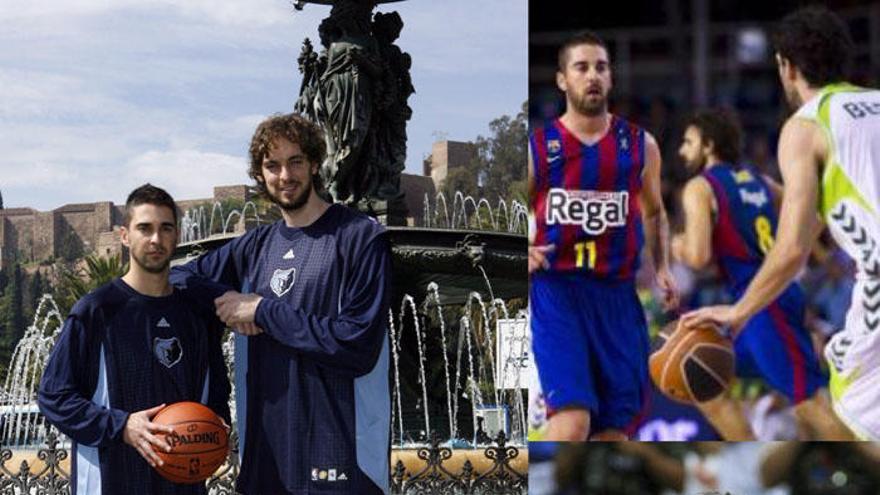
[730, 212]
[314, 306]
[829, 154]
[594, 178]
[127, 349]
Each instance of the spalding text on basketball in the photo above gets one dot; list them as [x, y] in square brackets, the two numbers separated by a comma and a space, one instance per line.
[210, 437]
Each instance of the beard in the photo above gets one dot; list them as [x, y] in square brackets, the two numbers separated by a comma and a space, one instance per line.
[298, 201]
[695, 165]
[586, 104]
[145, 264]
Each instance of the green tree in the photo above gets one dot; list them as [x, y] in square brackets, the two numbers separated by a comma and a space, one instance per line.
[498, 171]
[461, 179]
[36, 286]
[74, 284]
[12, 321]
[268, 211]
[502, 157]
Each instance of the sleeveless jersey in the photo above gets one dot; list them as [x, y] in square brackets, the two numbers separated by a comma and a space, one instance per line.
[850, 186]
[585, 199]
[849, 199]
[745, 222]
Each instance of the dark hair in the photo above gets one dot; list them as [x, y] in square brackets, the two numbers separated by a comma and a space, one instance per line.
[148, 194]
[721, 128]
[816, 41]
[296, 129]
[577, 39]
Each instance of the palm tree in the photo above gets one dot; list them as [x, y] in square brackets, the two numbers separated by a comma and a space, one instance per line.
[97, 271]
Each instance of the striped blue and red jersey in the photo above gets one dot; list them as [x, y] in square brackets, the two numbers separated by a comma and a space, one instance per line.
[586, 199]
[745, 222]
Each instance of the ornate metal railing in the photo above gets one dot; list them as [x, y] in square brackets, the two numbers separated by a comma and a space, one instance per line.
[50, 480]
[434, 478]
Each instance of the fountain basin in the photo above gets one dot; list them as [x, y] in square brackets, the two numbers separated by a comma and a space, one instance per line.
[453, 259]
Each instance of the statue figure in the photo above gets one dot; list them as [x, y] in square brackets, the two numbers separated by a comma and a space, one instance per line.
[356, 89]
[311, 67]
[343, 106]
[395, 112]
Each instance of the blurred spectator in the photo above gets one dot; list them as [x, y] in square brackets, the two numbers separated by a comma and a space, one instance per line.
[823, 468]
[829, 288]
[727, 468]
[761, 155]
[772, 418]
[542, 468]
[623, 468]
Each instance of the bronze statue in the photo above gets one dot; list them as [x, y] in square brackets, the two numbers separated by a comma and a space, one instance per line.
[356, 89]
[395, 112]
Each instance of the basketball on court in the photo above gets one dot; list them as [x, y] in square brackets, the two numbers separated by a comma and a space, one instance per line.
[691, 365]
[199, 444]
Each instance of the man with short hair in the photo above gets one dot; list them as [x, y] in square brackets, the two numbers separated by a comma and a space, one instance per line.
[829, 154]
[314, 307]
[126, 350]
[594, 181]
[730, 216]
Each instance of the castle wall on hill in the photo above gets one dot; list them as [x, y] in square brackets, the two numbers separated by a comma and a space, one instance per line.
[75, 230]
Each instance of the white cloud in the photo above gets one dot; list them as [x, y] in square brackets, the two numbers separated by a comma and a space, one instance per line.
[188, 173]
[99, 96]
[256, 13]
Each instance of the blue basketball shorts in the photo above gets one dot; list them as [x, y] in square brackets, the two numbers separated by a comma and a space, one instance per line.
[775, 346]
[590, 344]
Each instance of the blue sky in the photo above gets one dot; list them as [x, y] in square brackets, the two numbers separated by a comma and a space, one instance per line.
[100, 96]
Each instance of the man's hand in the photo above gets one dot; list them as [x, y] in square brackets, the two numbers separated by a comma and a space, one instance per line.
[236, 310]
[142, 434]
[724, 316]
[247, 329]
[538, 258]
[666, 283]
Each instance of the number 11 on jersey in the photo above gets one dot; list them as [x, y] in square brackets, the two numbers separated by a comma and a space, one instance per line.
[587, 248]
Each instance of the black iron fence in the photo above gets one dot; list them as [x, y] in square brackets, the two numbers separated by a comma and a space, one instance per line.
[432, 478]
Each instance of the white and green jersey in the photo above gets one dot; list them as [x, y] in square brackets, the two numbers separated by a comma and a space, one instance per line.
[849, 201]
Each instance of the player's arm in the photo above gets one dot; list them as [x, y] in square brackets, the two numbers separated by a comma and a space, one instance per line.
[68, 381]
[349, 342]
[217, 271]
[801, 151]
[63, 392]
[819, 252]
[537, 254]
[693, 247]
[656, 224]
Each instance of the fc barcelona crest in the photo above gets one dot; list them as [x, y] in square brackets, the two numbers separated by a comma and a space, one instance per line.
[282, 281]
[553, 146]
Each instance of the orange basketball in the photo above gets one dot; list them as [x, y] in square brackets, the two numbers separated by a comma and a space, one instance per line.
[691, 365]
[199, 444]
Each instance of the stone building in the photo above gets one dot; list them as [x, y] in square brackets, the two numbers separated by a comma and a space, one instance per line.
[75, 230]
[446, 155]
